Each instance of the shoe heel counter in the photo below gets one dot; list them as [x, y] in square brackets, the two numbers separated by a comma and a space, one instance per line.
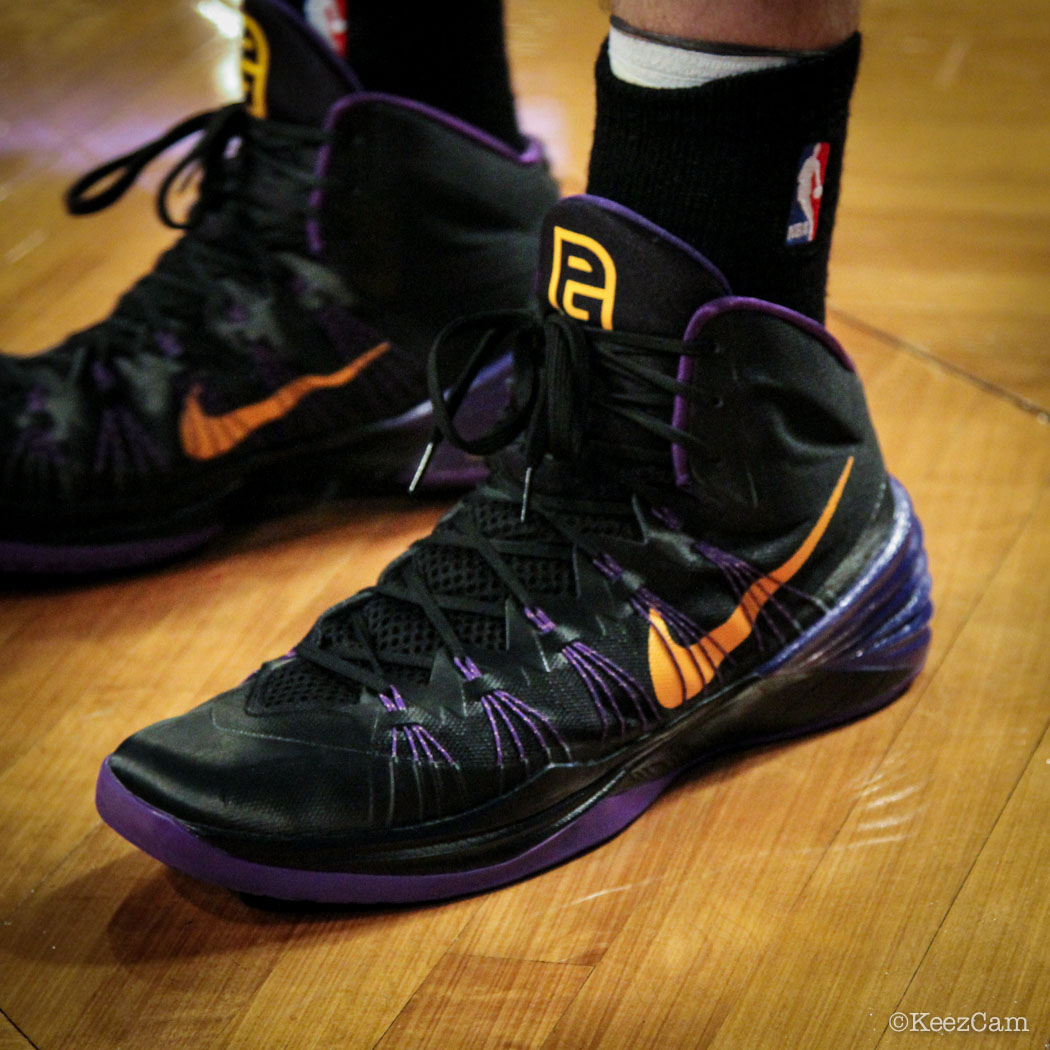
[425, 219]
[799, 416]
[881, 623]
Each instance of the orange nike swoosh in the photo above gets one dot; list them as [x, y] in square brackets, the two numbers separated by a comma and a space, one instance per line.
[681, 671]
[206, 436]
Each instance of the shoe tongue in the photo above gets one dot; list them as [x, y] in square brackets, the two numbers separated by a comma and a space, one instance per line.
[290, 72]
[604, 264]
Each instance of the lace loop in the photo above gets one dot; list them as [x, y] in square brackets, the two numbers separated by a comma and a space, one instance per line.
[498, 329]
[599, 402]
[218, 126]
[554, 389]
[232, 239]
[208, 155]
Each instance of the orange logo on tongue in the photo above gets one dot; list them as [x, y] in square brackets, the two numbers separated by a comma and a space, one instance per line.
[255, 66]
[583, 278]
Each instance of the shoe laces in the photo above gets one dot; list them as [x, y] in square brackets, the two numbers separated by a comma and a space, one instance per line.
[581, 449]
[229, 233]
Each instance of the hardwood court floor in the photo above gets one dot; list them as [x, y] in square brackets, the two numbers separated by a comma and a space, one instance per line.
[797, 897]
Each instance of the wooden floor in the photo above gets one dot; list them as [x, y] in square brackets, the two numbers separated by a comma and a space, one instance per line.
[796, 898]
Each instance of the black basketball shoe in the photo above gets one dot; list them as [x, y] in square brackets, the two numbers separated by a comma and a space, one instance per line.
[278, 350]
[689, 545]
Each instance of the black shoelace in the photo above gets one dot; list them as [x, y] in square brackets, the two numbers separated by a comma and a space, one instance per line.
[577, 390]
[226, 233]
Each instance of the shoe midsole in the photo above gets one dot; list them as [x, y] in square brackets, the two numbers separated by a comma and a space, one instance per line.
[861, 655]
[369, 460]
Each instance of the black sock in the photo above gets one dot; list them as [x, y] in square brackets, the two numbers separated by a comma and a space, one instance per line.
[450, 56]
[720, 166]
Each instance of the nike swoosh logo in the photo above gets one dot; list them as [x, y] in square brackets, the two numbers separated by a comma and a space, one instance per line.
[206, 436]
[681, 671]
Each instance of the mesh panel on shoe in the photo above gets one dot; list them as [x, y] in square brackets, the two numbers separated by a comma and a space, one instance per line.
[447, 570]
[544, 575]
[298, 684]
[399, 627]
[488, 632]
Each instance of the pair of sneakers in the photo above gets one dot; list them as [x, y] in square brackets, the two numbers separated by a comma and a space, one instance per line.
[682, 539]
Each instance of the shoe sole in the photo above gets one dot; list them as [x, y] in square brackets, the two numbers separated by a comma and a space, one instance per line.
[858, 658]
[384, 460]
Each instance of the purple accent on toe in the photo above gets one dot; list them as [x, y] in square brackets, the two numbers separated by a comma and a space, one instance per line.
[164, 838]
[18, 557]
[36, 401]
[539, 619]
[467, 668]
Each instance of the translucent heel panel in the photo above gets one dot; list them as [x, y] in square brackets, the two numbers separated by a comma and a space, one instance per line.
[883, 622]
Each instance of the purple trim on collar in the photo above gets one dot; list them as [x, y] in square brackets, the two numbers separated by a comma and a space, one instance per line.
[639, 220]
[760, 306]
[532, 154]
[314, 237]
[730, 304]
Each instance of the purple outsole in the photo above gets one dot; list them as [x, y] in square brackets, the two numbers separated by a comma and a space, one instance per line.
[84, 558]
[165, 839]
[450, 469]
[897, 583]
[168, 841]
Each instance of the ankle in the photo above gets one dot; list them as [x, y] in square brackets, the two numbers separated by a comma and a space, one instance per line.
[729, 167]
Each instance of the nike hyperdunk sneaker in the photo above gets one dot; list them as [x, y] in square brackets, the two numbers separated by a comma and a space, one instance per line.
[279, 348]
[688, 544]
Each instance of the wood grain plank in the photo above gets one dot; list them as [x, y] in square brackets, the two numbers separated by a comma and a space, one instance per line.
[946, 205]
[793, 897]
[352, 980]
[115, 950]
[989, 954]
[90, 665]
[11, 1038]
[486, 1004]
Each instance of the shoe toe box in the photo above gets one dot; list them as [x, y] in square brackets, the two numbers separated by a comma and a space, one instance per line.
[216, 769]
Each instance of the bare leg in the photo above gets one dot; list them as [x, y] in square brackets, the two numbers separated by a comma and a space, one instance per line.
[796, 24]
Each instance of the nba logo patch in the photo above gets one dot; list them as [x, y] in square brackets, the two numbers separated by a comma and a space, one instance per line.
[328, 17]
[809, 190]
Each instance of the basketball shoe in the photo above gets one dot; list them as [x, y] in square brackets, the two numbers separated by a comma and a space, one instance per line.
[278, 351]
[688, 545]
